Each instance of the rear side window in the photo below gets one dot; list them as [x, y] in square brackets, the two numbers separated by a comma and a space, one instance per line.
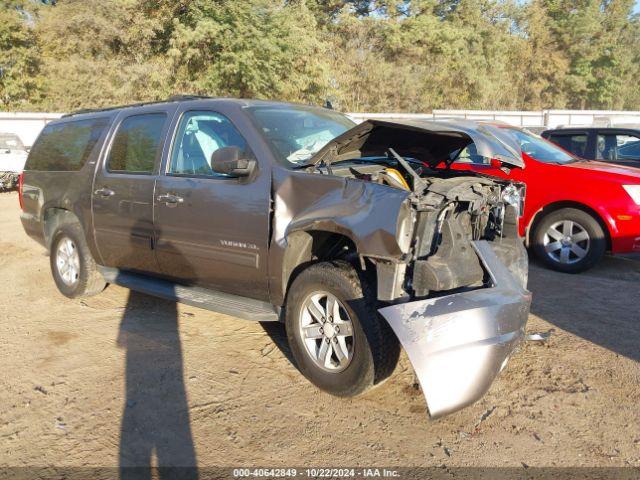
[136, 143]
[576, 143]
[613, 147]
[65, 146]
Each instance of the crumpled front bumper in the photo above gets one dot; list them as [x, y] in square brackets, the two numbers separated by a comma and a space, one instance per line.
[459, 343]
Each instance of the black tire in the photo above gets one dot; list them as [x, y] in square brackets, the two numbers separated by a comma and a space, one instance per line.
[375, 349]
[88, 281]
[595, 246]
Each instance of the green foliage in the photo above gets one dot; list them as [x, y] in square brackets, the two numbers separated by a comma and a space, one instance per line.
[254, 48]
[19, 60]
[597, 37]
[97, 53]
[393, 55]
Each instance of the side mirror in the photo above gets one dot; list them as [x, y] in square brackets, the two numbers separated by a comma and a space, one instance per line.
[230, 161]
[495, 163]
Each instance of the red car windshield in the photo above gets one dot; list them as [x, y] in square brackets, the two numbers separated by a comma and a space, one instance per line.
[539, 148]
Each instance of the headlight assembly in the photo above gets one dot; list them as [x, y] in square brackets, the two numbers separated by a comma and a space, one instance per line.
[513, 195]
[634, 192]
[404, 231]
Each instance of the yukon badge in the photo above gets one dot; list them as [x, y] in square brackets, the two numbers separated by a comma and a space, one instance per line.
[234, 244]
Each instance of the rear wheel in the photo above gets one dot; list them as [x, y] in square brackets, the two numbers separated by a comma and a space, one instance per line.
[337, 338]
[73, 268]
[569, 240]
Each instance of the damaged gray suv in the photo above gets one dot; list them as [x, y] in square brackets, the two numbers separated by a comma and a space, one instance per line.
[360, 238]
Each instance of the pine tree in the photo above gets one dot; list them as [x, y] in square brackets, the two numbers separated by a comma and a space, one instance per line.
[19, 59]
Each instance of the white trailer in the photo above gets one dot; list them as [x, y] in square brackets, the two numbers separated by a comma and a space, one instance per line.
[26, 125]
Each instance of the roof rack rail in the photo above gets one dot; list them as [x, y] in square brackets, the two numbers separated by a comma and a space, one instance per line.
[183, 97]
[173, 98]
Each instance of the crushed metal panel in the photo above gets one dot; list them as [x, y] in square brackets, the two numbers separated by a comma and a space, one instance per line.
[458, 343]
[490, 141]
[363, 211]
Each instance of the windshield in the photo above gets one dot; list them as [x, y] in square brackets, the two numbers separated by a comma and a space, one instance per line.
[10, 142]
[539, 148]
[297, 133]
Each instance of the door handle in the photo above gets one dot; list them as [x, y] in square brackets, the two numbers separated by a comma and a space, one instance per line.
[170, 199]
[104, 192]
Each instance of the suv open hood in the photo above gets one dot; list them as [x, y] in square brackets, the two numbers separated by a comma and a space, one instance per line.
[430, 142]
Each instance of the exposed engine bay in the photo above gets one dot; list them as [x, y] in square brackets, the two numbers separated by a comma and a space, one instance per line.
[449, 210]
[450, 266]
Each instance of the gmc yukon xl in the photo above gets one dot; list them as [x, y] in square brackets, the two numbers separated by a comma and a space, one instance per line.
[360, 238]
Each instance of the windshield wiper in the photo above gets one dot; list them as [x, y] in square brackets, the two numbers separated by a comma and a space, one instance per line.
[296, 165]
[573, 160]
[322, 163]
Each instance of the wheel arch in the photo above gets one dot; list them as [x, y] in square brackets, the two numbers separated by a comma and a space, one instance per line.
[555, 206]
[307, 247]
[53, 218]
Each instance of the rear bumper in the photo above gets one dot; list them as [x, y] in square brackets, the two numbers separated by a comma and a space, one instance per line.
[33, 228]
[459, 343]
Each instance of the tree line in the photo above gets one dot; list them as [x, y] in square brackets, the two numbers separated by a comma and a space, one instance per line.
[384, 55]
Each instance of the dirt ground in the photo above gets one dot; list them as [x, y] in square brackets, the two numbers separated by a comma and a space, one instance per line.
[109, 380]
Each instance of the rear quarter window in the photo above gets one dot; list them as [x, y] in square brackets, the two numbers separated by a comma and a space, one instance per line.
[65, 146]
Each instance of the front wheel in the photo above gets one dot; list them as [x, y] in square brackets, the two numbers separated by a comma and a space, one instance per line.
[569, 240]
[337, 338]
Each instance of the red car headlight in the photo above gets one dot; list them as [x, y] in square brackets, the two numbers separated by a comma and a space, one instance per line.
[634, 192]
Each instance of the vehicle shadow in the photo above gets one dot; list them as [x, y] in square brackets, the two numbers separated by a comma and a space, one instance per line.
[600, 305]
[155, 421]
[278, 335]
[155, 435]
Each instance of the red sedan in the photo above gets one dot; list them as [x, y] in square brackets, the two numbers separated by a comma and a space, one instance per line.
[575, 209]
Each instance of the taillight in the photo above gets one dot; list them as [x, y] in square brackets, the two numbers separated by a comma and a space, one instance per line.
[20, 182]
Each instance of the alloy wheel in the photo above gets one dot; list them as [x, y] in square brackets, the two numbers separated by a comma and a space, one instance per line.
[68, 261]
[567, 242]
[326, 331]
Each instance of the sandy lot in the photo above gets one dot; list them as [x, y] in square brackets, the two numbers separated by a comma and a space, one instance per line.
[111, 379]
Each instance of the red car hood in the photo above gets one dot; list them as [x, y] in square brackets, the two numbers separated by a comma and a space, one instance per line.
[608, 170]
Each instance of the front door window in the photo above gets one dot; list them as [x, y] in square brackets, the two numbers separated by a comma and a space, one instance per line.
[575, 143]
[199, 135]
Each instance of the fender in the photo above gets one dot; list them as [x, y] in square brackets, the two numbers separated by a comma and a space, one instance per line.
[598, 211]
[364, 212]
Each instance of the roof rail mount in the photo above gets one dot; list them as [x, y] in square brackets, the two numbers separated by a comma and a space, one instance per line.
[181, 97]
[173, 98]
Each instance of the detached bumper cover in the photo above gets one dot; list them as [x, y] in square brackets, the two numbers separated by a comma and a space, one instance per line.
[459, 343]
